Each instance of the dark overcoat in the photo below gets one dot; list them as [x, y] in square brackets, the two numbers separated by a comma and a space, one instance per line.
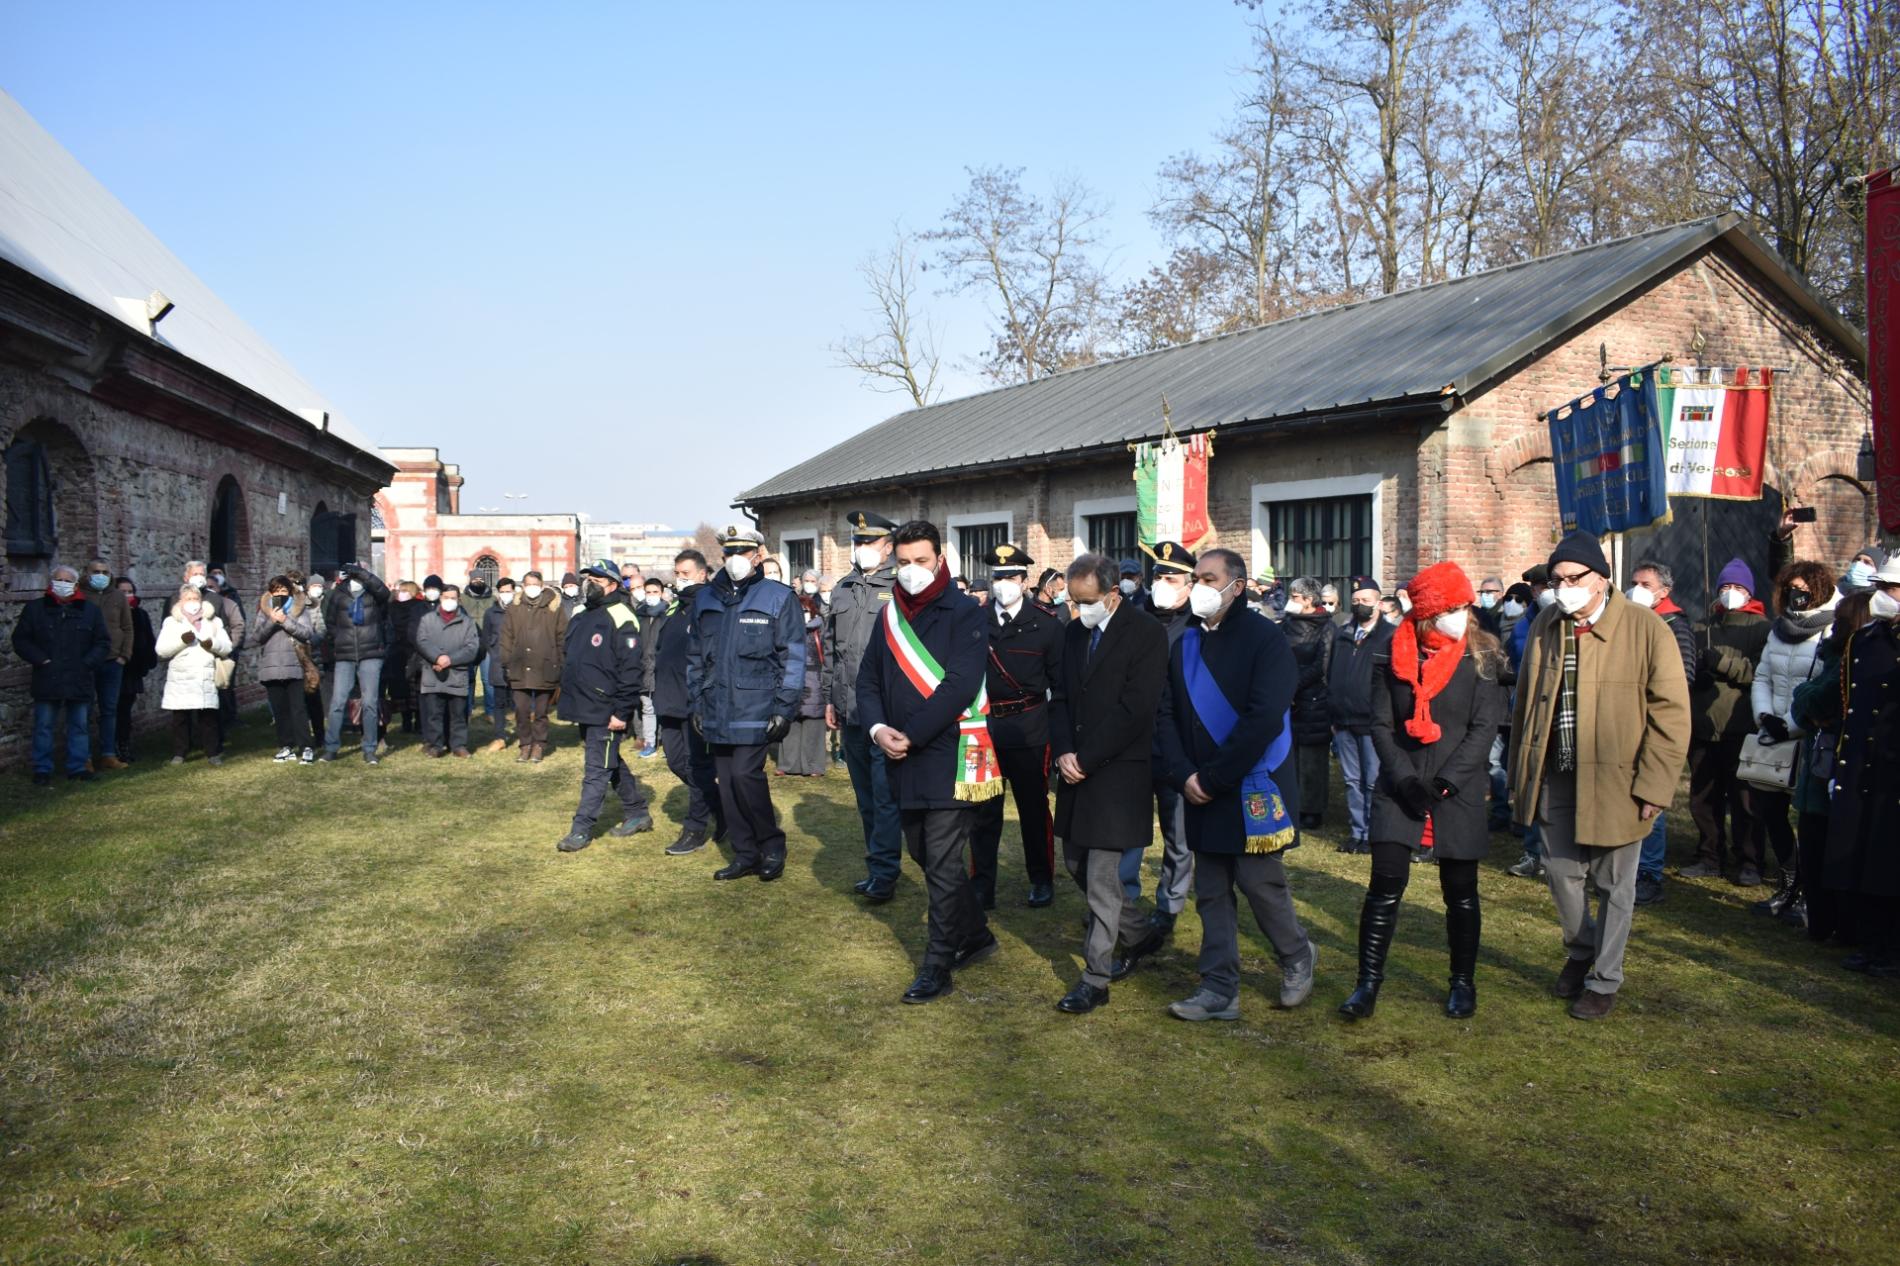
[1468, 712]
[1103, 713]
[1863, 823]
[951, 629]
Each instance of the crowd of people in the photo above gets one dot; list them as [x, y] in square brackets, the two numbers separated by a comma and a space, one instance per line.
[1177, 690]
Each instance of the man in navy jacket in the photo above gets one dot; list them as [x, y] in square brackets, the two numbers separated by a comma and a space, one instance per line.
[602, 671]
[919, 735]
[1251, 665]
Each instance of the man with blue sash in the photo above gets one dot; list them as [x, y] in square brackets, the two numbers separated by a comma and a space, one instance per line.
[1227, 742]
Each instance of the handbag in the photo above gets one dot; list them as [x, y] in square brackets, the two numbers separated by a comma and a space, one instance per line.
[1769, 766]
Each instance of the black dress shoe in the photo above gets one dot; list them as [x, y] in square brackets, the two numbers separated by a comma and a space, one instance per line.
[737, 870]
[976, 951]
[574, 841]
[772, 867]
[1163, 923]
[862, 886]
[875, 896]
[931, 983]
[1082, 999]
[688, 842]
[1041, 895]
[632, 826]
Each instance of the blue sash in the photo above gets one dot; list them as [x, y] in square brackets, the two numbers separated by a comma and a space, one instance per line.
[1263, 812]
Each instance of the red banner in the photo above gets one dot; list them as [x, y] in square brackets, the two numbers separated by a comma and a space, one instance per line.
[1883, 339]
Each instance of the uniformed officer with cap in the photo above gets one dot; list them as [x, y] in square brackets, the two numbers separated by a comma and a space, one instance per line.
[857, 604]
[745, 673]
[1024, 657]
[602, 671]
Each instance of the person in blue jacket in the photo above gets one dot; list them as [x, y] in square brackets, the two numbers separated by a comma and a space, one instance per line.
[602, 670]
[745, 672]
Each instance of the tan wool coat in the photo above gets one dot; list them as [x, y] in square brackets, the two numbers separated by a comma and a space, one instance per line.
[1632, 720]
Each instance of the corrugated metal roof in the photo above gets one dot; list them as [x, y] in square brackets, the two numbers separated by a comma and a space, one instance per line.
[1413, 345]
[67, 229]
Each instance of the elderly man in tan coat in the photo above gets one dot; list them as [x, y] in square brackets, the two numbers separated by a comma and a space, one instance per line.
[1601, 730]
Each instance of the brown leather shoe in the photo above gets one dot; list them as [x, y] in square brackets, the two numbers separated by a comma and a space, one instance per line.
[499, 745]
[111, 762]
[540, 752]
[1570, 979]
[1592, 1005]
[461, 752]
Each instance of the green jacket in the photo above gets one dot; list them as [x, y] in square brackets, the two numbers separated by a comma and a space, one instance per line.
[1729, 646]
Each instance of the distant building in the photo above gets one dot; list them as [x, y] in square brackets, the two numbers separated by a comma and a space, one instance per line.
[420, 529]
[649, 546]
[1384, 435]
[141, 420]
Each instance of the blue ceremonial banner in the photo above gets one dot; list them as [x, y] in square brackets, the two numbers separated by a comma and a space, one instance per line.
[1606, 449]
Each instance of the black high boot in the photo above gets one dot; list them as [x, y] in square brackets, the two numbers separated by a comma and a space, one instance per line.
[1378, 918]
[1463, 921]
[1786, 893]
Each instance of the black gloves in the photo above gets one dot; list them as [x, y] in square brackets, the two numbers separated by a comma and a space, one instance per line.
[697, 727]
[1444, 790]
[776, 728]
[1416, 796]
[1774, 729]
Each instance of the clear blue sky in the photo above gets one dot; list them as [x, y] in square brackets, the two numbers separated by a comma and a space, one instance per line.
[595, 253]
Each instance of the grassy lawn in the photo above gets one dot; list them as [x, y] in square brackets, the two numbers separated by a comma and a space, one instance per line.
[275, 1014]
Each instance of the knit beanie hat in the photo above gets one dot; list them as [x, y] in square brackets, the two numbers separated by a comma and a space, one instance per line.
[1583, 549]
[1736, 573]
[1439, 588]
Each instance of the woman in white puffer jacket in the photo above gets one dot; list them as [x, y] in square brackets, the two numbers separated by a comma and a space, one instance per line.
[1805, 599]
[191, 642]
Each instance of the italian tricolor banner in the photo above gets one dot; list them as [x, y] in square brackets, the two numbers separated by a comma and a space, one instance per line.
[1171, 489]
[1715, 433]
[979, 775]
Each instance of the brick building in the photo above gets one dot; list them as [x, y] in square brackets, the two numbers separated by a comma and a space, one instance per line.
[141, 420]
[420, 529]
[1384, 435]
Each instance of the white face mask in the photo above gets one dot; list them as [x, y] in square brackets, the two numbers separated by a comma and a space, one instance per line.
[738, 566]
[1546, 598]
[1129, 587]
[505, 597]
[1168, 594]
[450, 604]
[1513, 608]
[867, 557]
[1205, 600]
[64, 588]
[356, 587]
[315, 591]
[196, 582]
[1733, 599]
[432, 594]
[1452, 624]
[192, 608]
[1571, 598]
[810, 586]
[915, 579]
[403, 595]
[1641, 596]
[1092, 614]
[572, 591]
[1883, 605]
[533, 591]
[1007, 593]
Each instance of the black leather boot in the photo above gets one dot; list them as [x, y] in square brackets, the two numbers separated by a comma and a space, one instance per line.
[1463, 920]
[1785, 894]
[1377, 920]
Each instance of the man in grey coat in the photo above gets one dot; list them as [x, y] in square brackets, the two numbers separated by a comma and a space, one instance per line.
[857, 604]
[447, 642]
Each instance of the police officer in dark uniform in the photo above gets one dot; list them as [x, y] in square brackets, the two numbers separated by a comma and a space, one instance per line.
[1025, 653]
[602, 672]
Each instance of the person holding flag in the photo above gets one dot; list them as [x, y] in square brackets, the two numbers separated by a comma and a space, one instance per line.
[921, 700]
[1227, 742]
[1437, 702]
[1101, 728]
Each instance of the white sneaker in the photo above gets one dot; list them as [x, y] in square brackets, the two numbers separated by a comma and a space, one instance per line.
[309, 757]
[1205, 1005]
[1296, 983]
[284, 754]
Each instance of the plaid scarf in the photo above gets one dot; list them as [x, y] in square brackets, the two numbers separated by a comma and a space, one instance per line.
[1567, 701]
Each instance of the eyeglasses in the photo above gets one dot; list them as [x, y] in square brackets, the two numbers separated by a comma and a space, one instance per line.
[1570, 579]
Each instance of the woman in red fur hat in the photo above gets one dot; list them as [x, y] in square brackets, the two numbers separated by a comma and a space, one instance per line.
[1436, 706]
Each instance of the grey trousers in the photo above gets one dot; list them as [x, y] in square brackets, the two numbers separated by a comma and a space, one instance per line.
[1177, 860]
[1262, 880]
[1570, 868]
[938, 841]
[1111, 910]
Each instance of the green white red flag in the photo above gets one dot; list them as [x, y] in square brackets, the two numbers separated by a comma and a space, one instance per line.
[1171, 489]
[1715, 433]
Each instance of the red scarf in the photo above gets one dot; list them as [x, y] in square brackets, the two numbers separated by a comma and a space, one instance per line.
[1666, 606]
[913, 603]
[65, 602]
[1441, 662]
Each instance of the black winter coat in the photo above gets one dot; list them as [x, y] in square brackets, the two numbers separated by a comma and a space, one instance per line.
[668, 649]
[951, 628]
[144, 653]
[64, 642]
[1863, 823]
[1349, 677]
[1468, 712]
[1249, 659]
[1103, 713]
[1025, 658]
[602, 667]
[347, 639]
[1312, 637]
[746, 658]
[491, 639]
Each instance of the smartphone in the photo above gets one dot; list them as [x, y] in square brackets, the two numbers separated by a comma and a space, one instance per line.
[1802, 514]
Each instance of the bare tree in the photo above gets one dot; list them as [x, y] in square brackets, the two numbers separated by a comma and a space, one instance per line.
[1030, 260]
[1195, 294]
[707, 541]
[900, 354]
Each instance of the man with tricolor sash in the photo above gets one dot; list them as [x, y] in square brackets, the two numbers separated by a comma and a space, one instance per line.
[921, 699]
[1227, 742]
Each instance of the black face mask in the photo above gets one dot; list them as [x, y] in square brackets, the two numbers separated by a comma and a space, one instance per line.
[478, 588]
[595, 596]
[1798, 600]
[1361, 612]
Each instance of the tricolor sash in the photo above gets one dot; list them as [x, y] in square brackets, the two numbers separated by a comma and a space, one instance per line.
[979, 776]
[1263, 812]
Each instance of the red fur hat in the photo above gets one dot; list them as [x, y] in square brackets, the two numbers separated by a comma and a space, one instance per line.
[1439, 588]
